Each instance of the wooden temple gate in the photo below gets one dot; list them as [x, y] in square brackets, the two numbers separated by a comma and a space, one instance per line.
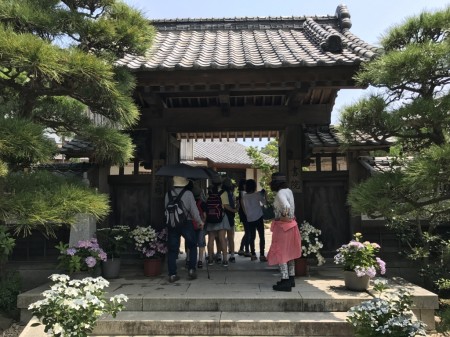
[250, 77]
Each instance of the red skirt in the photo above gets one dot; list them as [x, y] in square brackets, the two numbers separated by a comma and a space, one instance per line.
[286, 242]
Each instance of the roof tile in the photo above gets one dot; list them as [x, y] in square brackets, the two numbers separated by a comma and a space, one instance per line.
[253, 42]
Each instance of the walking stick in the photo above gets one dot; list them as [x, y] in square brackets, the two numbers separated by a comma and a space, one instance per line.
[207, 266]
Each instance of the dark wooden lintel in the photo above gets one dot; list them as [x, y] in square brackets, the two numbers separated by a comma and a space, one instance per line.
[253, 117]
[242, 77]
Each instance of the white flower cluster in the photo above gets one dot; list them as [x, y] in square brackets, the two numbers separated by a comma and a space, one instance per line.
[311, 244]
[142, 236]
[70, 308]
[388, 316]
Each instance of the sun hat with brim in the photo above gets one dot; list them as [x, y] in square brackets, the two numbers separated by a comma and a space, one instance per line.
[180, 181]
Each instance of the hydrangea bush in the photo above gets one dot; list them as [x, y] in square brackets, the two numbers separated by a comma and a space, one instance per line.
[360, 257]
[146, 240]
[114, 240]
[157, 247]
[311, 243]
[390, 315]
[84, 256]
[72, 307]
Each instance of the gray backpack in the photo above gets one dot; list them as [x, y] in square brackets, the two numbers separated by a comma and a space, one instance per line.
[175, 213]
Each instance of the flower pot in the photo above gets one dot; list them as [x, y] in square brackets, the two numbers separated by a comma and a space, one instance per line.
[301, 266]
[355, 283]
[152, 267]
[111, 268]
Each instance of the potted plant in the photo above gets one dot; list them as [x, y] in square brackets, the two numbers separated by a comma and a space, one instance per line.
[114, 241]
[311, 246]
[360, 262]
[83, 257]
[72, 307]
[388, 314]
[152, 245]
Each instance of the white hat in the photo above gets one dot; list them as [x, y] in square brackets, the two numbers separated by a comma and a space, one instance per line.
[180, 181]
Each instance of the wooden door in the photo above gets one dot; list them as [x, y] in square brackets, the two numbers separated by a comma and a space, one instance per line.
[325, 207]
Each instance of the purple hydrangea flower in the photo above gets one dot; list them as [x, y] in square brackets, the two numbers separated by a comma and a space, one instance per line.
[90, 261]
[382, 265]
[71, 251]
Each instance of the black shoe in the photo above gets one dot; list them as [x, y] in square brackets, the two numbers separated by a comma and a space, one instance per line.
[200, 264]
[192, 275]
[232, 259]
[284, 285]
[241, 252]
[291, 279]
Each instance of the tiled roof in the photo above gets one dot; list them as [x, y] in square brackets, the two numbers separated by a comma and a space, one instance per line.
[378, 164]
[225, 152]
[77, 148]
[322, 138]
[65, 169]
[265, 42]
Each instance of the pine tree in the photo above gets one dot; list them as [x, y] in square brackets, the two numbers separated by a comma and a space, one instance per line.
[413, 108]
[57, 70]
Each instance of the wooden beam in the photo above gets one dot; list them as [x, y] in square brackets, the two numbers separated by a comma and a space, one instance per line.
[224, 100]
[250, 117]
[231, 77]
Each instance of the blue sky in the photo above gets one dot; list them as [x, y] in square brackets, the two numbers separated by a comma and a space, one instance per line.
[370, 19]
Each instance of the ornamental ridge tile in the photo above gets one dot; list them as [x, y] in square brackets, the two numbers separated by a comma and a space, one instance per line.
[249, 42]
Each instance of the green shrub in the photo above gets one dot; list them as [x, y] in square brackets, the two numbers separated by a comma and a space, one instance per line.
[444, 314]
[10, 285]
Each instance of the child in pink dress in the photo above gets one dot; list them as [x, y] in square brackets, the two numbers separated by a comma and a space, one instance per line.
[286, 240]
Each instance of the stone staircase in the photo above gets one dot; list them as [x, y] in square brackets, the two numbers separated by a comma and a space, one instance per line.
[238, 301]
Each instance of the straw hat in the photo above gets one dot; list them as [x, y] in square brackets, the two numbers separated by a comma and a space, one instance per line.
[179, 181]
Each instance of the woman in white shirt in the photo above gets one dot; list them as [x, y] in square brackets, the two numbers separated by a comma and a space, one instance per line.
[252, 202]
[286, 240]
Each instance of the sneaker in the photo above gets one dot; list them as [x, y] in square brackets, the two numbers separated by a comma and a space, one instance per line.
[225, 263]
[218, 260]
[253, 258]
[210, 262]
[192, 275]
[199, 264]
[173, 278]
[232, 259]
[247, 254]
[262, 258]
[240, 252]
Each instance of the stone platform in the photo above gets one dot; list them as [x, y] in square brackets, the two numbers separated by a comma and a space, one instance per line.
[233, 301]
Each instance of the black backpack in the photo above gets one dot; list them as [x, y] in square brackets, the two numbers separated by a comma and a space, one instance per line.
[214, 213]
[175, 213]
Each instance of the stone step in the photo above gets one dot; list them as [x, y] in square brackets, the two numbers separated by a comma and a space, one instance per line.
[164, 323]
[244, 294]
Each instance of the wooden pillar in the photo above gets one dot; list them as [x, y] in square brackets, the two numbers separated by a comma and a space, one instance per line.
[355, 174]
[158, 186]
[292, 165]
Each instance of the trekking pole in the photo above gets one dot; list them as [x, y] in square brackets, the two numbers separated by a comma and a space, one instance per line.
[207, 266]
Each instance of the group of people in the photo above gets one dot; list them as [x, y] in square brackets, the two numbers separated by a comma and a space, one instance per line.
[286, 242]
